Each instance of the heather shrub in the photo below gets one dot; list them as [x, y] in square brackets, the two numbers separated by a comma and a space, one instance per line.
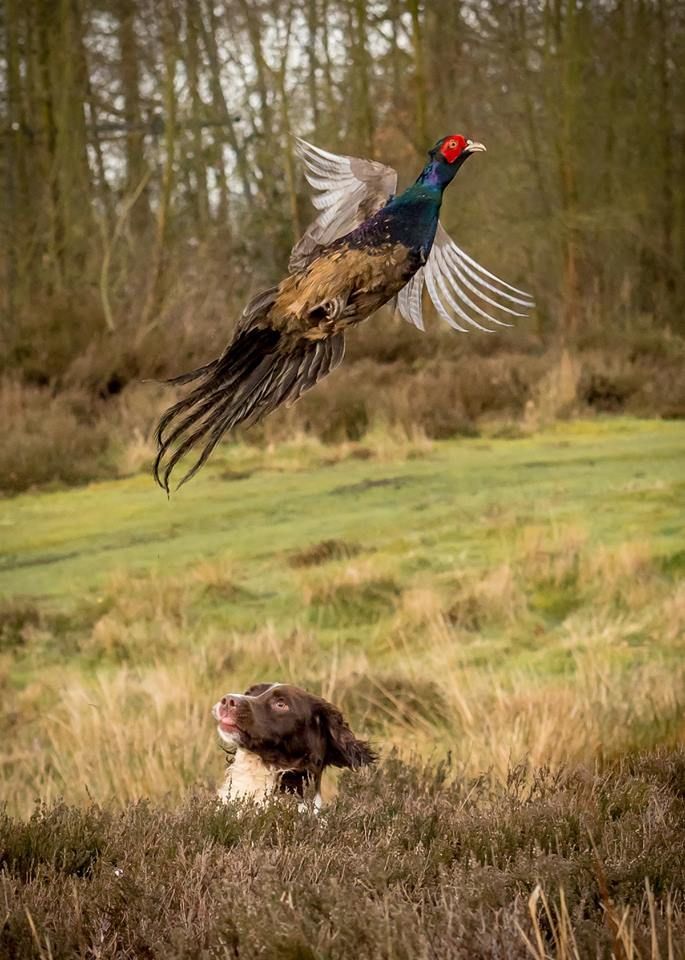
[97, 419]
[50, 437]
[409, 860]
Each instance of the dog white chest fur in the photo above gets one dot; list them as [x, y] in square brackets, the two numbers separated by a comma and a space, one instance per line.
[248, 777]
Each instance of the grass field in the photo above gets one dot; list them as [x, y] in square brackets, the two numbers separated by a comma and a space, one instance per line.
[476, 596]
[498, 600]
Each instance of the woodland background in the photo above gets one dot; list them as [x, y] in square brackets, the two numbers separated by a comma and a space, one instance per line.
[149, 186]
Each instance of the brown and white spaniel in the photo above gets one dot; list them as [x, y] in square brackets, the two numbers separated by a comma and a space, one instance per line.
[285, 738]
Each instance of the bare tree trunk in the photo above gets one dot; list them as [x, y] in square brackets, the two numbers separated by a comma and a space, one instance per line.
[327, 66]
[420, 93]
[254, 31]
[71, 141]
[129, 72]
[312, 59]
[220, 105]
[14, 159]
[104, 193]
[288, 147]
[46, 27]
[197, 115]
[394, 13]
[155, 289]
[665, 125]
[565, 44]
[362, 70]
[535, 153]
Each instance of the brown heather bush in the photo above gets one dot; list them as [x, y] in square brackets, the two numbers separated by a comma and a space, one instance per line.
[96, 418]
[408, 861]
[50, 437]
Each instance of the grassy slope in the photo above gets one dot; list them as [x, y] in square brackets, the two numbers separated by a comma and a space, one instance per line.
[620, 479]
[479, 593]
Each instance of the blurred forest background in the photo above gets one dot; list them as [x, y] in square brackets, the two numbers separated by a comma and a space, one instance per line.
[149, 186]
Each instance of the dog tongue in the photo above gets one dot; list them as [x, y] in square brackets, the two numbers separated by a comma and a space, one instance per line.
[227, 723]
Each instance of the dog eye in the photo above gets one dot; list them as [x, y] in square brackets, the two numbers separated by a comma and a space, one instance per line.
[280, 704]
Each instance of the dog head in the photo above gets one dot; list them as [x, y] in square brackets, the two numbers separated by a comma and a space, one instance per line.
[290, 729]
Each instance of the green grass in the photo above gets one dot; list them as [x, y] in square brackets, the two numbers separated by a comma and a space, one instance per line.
[461, 503]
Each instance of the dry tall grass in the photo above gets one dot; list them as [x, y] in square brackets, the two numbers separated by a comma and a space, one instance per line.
[428, 681]
[553, 935]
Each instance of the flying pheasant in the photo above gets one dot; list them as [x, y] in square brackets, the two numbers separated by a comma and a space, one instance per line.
[366, 246]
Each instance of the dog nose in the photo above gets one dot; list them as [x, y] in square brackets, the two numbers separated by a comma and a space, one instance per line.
[229, 702]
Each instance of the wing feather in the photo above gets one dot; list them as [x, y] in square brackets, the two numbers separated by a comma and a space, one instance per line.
[409, 300]
[348, 191]
[447, 279]
[450, 275]
[434, 294]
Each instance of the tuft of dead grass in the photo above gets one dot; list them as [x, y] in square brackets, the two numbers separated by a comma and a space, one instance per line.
[625, 575]
[323, 552]
[552, 556]
[496, 596]
[147, 613]
[357, 593]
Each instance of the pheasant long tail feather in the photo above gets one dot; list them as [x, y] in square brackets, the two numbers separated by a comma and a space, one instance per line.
[193, 374]
[261, 370]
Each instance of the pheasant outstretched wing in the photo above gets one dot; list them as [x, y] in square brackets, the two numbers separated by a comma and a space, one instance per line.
[348, 190]
[460, 290]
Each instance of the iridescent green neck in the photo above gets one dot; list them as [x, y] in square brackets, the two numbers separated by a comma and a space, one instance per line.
[437, 174]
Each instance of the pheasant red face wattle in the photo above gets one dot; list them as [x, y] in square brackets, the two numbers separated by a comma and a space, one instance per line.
[453, 147]
[456, 146]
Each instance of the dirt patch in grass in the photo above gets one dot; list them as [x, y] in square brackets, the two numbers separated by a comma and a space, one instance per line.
[364, 485]
[323, 552]
[230, 475]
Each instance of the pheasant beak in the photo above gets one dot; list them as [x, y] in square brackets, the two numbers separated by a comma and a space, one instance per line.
[472, 146]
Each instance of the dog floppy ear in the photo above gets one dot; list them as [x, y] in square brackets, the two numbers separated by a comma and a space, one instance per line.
[342, 748]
